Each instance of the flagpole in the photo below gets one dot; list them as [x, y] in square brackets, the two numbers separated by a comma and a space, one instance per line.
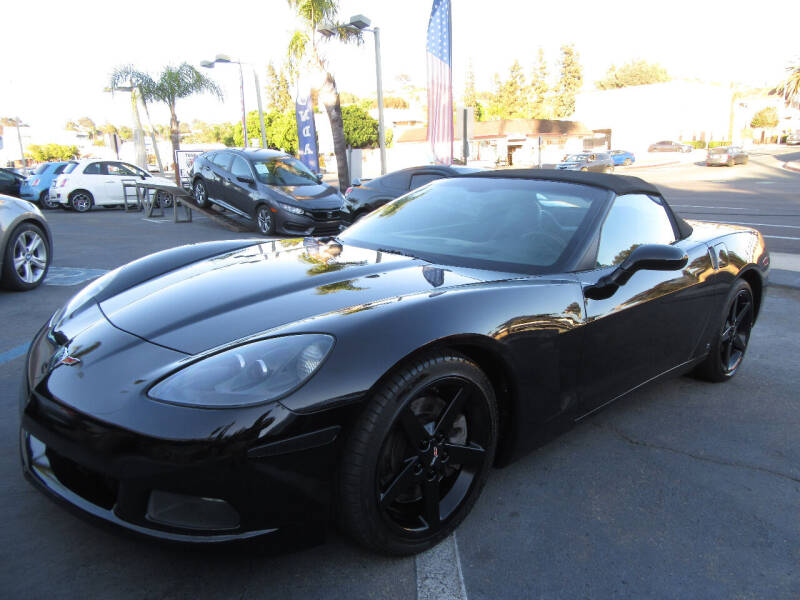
[450, 53]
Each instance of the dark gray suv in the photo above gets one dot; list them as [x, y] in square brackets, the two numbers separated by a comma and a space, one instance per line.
[273, 189]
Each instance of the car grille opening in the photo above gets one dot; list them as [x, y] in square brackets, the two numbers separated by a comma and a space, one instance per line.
[89, 485]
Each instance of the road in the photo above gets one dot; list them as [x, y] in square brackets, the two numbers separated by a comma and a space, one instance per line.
[683, 489]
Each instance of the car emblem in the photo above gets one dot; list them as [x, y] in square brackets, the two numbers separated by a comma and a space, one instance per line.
[62, 357]
[435, 452]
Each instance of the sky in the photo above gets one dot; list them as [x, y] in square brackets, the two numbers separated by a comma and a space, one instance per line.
[58, 58]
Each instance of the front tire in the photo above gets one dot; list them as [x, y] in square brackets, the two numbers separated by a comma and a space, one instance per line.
[200, 194]
[27, 258]
[265, 221]
[419, 455]
[81, 201]
[732, 336]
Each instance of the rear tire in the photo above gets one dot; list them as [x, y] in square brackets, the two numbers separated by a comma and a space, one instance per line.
[627, 162]
[419, 455]
[731, 337]
[82, 201]
[44, 201]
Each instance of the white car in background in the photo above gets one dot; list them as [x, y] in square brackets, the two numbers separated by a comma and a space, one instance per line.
[93, 182]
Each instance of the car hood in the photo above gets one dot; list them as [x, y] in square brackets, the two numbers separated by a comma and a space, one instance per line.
[319, 195]
[259, 288]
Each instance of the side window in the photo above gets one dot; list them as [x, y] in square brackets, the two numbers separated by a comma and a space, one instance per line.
[120, 169]
[94, 169]
[222, 160]
[6, 177]
[239, 168]
[394, 181]
[60, 169]
[633, 220]
[421, 179]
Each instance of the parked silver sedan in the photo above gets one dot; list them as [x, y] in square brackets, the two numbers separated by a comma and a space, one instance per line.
[26, 244]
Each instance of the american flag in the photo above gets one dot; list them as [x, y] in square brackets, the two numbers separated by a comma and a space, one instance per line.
[440, 82]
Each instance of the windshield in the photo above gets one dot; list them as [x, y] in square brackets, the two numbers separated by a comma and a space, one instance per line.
[70, 167]
[501, 224]
[283, 170]
[718, 151]
[41, 168]
[577, 158]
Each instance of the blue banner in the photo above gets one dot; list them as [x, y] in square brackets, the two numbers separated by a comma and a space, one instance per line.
[306, 133]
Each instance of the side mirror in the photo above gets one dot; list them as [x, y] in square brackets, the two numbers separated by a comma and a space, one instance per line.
[356, 182]
[243, 179]
[318, 175]
[143, 176]
[651, 257]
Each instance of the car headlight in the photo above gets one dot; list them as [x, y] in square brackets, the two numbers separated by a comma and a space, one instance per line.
[292, 209]
[249, 374]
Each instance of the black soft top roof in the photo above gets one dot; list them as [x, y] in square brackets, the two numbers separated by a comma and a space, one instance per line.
[619, 184]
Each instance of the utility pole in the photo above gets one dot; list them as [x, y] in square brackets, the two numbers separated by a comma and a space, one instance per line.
[381, 133]
[260, 110]
[21, 150]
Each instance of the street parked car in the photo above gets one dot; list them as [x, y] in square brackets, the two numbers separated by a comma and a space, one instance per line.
[272, 189]
[26, 244]
[727, 155]
[363, 197]
[622, 157]
[221, 391]
[588, 161]
[793, 138]
[669, 146]
[92, 182]
[36, 188]
[10, 182]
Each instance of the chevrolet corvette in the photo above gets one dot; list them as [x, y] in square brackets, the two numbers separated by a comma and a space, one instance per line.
[228, 390]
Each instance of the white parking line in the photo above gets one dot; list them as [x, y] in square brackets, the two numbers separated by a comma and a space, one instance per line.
[439, 575]
[755, 224]
[709, 207]
[781, 237]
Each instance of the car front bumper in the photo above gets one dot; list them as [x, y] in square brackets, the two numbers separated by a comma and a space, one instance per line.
[292, 224]
[181, 484]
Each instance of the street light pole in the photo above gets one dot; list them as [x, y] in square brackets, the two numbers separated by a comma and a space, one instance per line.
[381, 131]
[244, 114]
[21, 149]
[260, 109]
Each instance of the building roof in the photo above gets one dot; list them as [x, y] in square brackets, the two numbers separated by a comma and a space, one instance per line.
[501, 128]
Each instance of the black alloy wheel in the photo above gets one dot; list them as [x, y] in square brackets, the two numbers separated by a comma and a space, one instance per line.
[200, 194]
[727, 351]
[45, 202]
[265, 222]
[27, 258]
[419, 455]
[164, 199]
[82, 201]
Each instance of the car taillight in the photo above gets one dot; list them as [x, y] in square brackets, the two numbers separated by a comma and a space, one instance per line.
[63, 182]
[348, 190]
[35, 182]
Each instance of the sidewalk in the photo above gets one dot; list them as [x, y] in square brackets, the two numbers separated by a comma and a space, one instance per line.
[792, 165]
[784, 269]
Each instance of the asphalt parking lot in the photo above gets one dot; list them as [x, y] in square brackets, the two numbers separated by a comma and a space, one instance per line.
[682, 490]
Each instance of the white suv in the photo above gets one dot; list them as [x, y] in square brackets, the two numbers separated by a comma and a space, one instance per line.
[93, 182]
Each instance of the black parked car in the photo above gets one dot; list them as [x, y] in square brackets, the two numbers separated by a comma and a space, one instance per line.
[599, 162]
[727, 155]
[226, 390]
[669, 146]
[10, 182]
[363, 198]
[274, 190]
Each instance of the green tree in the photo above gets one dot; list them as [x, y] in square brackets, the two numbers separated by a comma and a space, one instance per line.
[360, 129]
[510, 100]
[766, 117]
[280, 127]
[570, 80]
[635, 72]
[790, 87]
[172, 84]
[125, 133]
[305, 55]
[50, 152]
[278, 95]
[539, 89]
[84, 126]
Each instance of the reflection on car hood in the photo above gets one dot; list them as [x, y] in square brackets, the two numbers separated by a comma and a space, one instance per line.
[258, 288]
[319, 195]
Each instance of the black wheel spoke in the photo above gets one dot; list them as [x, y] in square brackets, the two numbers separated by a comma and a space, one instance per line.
[726, 354]
[739, 342]
[430, 498]
[401, 483]
[743, 312]
[413, 428]
[452, 411]
[467, 456]
[726, 333]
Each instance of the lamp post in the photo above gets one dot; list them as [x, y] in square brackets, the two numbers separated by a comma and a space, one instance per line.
[225, 59]
[362, 23]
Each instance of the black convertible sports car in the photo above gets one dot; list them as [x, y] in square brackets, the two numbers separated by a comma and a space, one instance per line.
[226, 390]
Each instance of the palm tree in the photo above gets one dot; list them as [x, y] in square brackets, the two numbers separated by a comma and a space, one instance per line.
[304, 52]
[172, 83]
[791, 87]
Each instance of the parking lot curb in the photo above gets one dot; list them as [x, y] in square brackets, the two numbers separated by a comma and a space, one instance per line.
[792, 166]
[650, 166]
